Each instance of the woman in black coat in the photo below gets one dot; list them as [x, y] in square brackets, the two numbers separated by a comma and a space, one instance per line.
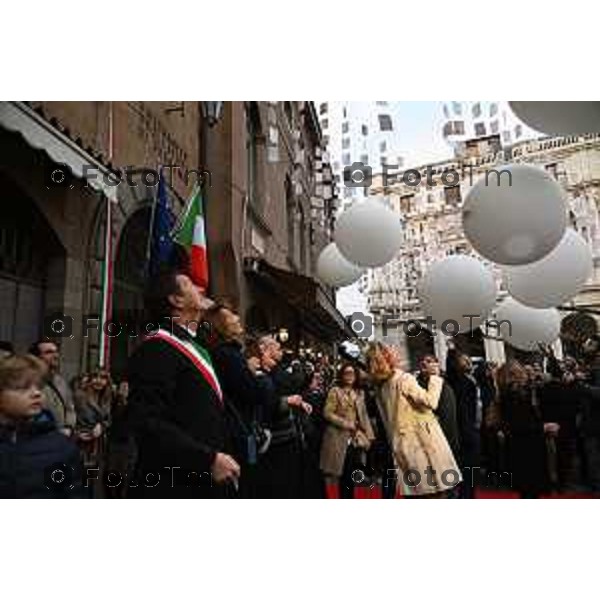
[247, 403]
[525, 431]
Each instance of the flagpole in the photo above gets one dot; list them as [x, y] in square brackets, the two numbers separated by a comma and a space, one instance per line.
[107, 266]
[106, 289]
[152, 215]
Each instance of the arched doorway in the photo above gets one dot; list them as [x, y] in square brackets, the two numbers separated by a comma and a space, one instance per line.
[32, 260]
[128, 288]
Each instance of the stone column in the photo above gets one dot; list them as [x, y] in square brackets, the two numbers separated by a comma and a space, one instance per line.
[494, 350]
[440, 345]
[558, 349]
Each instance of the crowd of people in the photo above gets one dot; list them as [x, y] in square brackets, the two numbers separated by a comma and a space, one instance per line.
[207, 410]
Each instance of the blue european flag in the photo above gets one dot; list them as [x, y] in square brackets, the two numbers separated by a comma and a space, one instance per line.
[162, 243]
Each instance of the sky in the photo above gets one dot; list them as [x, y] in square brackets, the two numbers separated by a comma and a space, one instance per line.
[421, 133]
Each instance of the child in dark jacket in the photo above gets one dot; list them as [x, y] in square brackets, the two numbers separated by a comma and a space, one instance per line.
[36, 460]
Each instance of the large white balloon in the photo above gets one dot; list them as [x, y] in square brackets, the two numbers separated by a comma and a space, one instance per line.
[457, 286]
[517, 221]
[554, 279]
[368, 233]
[333, 269]
[528, 326]
[559, 118]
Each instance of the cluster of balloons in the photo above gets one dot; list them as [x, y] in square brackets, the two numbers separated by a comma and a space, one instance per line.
[517, 221]
[514, 217]
[368, 234]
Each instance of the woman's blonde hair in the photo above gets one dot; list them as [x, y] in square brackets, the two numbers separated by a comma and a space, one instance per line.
[20, 369]
[382, 361]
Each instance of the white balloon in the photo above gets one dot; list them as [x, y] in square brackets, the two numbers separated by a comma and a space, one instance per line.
[554, 279]
[368, 233]
[528, 326]
[333, 269]
[457, 286]
[559, 118]
[518, 221]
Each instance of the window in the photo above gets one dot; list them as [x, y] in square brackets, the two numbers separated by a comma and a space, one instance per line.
[383, 159]
[479, 129]
[493, 109]
[381, 102]
[406, 203]
[552, 169]
[385, 122]
[494, 125]
[365, 130]
[459, 127]
[289, 113]
[254, 129]
[346, 159]
[383, 146]
[345, 143]
[457, 108]
[446, 112]
[345, 127]
[452, 195]
[345, 112]
[364, 158]
[506, 137]
[518, 131]
[325, 123]
[325, 140]
[323, 108]
[476, 110]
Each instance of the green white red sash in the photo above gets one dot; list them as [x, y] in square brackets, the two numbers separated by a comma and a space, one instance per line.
[194, 354]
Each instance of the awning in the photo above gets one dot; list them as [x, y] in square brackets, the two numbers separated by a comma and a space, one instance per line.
[17, 116]
[318, 312]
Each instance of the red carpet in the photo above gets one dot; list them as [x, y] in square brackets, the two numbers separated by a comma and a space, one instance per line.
[366, 493]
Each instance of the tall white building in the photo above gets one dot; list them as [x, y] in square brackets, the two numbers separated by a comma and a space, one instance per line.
[470, 120]
[359, 132]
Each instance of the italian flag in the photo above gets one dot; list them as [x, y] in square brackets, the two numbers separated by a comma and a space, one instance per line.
[191, 235]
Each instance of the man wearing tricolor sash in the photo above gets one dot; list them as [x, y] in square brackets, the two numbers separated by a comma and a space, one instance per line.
[176, 407]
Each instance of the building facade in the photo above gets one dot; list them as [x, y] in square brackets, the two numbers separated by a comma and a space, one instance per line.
[432, 230]
[268, 208]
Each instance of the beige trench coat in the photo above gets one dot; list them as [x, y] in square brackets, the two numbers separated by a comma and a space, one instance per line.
[342, 408]
[424, 461]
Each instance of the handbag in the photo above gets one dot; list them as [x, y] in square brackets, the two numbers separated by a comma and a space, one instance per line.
[360, 440]
[257, 437]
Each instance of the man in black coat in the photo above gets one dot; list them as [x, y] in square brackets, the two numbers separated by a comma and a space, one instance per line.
[469, 416]
[175, 407]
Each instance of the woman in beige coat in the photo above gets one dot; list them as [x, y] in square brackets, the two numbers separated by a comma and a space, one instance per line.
[348, 433]
[425, 465]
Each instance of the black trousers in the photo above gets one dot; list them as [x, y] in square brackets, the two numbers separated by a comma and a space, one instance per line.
[279, 472]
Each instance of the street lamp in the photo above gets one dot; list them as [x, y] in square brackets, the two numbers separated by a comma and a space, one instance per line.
[283, 335]
[212, 111]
